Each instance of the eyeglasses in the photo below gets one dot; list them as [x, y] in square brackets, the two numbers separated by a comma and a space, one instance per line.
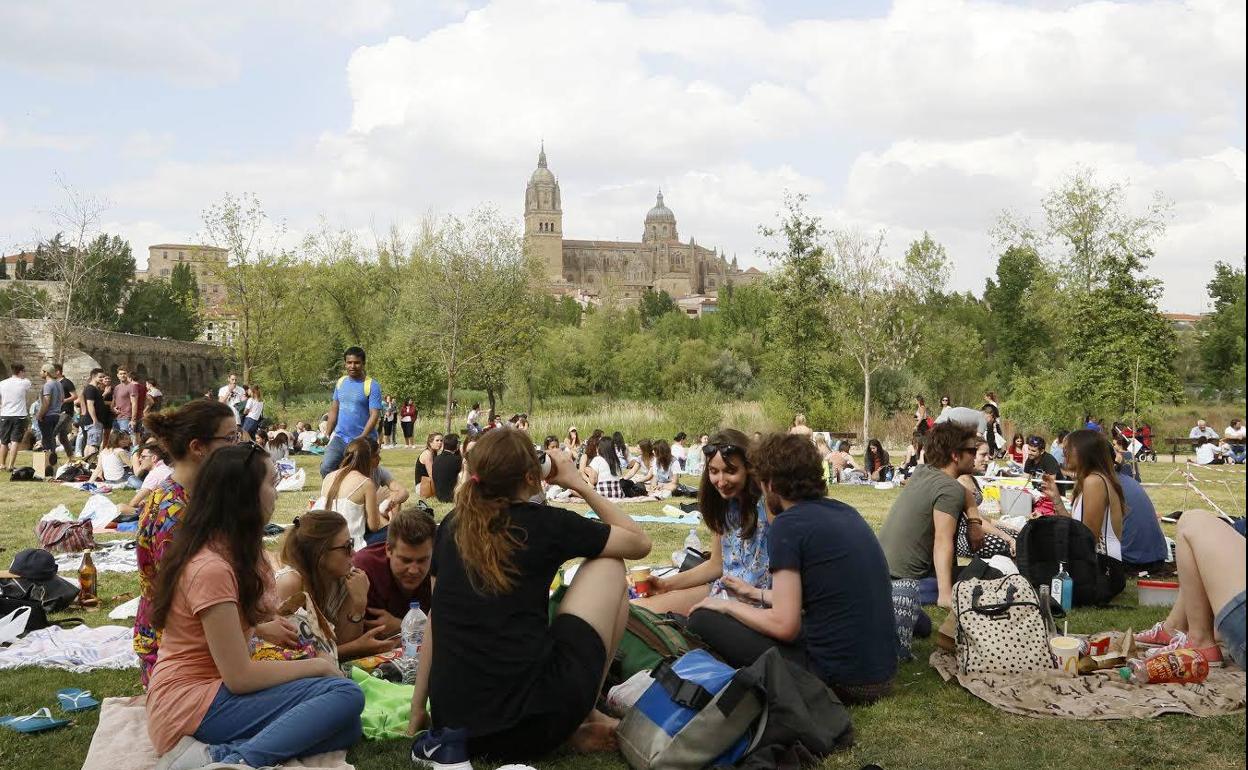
[348, 548]
[233, 438]
[971, 449]
[709, 450]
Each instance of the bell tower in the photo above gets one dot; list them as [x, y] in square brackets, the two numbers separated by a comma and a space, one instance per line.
[543, 219]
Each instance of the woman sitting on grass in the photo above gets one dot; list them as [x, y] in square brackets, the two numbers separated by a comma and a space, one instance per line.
[316, 558]
[605, 471]
[208, 701]
[113, 464]
[664, 470]
[732, 507]
[504, 680]
[976, 536]
[351, 491]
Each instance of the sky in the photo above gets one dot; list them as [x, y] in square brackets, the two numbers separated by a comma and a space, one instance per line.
[910, 116]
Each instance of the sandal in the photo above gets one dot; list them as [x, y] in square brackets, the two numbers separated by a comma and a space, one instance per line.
[72, 699]
[33, 723]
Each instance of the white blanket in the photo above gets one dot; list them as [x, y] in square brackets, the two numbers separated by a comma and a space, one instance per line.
[79, 649]
[110, 556]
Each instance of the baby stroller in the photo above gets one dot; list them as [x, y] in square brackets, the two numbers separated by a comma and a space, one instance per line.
[1144, 440]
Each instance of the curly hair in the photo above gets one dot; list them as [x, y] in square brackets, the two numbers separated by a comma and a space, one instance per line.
[791, 465]
[944, 442]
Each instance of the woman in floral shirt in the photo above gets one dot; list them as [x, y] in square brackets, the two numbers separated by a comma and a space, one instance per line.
[189, 435]
[732, 508]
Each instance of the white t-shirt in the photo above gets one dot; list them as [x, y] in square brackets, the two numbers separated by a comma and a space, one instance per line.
[112, 466]
[679, 452]
[1232, 434]
[1205, 453]
[255, 408]
[13, 396]
[234, 396]
[156, 476]
[307, 439]
[603, 470]
[1207, 432]
[473, 416]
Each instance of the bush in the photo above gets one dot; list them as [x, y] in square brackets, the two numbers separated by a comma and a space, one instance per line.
[697, 409]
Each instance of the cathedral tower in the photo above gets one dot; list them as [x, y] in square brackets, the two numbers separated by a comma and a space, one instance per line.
[543, 219]
[660, 224]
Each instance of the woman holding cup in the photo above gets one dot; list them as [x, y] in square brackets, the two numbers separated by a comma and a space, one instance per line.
[732, 507]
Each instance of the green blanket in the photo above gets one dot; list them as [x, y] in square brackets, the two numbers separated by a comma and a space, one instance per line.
[387, 706]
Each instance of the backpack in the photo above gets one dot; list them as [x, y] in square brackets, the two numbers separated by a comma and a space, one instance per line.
[368, 385]
[1000, 627]
[25, 473]
[648, 639]
[698, 712]
[52, 595]
[65, 536]
[1048, 540]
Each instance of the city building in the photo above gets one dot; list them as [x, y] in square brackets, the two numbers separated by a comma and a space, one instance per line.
[204, 261]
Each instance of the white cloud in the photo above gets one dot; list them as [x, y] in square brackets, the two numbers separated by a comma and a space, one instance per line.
[24, 139]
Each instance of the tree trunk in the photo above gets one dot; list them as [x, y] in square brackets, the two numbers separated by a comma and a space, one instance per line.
[528, 382]
[489, 394]
[866, 403]
[450, 385]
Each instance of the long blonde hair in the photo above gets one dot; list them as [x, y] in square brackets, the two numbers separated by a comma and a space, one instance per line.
[500, 464]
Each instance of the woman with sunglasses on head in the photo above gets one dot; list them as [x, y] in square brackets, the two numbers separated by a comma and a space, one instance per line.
[208, 701]
[316, 558]
[504, 678]
[189, 435]
[732, 507]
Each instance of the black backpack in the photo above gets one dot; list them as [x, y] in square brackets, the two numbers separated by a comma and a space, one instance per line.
[1047, 540]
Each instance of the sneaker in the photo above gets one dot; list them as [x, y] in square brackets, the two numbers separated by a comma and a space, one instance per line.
[1213, 655]
[188, 754]
[444, 749]
[1156, 636]
[1172, 518]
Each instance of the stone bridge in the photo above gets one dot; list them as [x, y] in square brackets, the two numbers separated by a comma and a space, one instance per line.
[182, 369]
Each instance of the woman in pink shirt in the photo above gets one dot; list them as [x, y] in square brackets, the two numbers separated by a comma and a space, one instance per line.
[207, 700]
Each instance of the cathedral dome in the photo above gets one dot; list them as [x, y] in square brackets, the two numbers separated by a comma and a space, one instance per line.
[541, 174]
[660, 213]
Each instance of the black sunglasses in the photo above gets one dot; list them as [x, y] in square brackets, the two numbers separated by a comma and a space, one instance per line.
[709, 450]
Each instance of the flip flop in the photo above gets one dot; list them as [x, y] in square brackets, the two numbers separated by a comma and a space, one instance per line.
[72, 699]
[33, 723]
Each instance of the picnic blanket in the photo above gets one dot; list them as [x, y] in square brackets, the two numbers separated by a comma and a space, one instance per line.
[121, 740]
[387, 706]
[109, 556]
[691, 520]
[80, 649]
[1098, 696]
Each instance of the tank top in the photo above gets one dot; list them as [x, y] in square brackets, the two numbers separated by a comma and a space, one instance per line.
[354, 513]
[1107, 542]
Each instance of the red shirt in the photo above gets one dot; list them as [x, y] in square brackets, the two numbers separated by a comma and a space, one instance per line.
[384, 592]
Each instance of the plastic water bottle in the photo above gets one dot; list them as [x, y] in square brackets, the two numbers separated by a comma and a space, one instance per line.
[1063, 588]
[413, 630]
[693, 541]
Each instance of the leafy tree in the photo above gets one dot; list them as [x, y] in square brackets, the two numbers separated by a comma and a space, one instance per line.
[4, 269]
[1016, 333]
[654, 305]
[1222, 332]
[154, 308]
[800, 285]
[21, 302]
[927, 267]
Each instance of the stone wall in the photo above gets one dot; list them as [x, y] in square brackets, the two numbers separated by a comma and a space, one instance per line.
[181, 368]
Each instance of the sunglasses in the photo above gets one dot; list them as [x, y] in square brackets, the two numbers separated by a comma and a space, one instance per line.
[724, 450]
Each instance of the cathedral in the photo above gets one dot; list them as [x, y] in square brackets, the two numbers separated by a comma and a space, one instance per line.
[625, 269]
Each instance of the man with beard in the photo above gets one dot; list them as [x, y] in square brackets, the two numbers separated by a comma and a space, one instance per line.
[398, 570]
[829, 609]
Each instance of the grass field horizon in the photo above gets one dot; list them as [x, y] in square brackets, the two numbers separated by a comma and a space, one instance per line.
[926, 723]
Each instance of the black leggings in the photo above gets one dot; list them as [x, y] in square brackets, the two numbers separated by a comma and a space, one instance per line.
[739, 646]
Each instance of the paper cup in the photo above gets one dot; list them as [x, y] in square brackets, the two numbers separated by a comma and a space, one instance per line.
[642, 581]
[1066, 652]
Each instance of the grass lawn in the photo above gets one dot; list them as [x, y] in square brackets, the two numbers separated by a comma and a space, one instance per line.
[925, 724]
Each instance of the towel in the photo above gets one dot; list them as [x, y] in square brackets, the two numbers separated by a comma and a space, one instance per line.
[387, 706]
[80, 649]
[121, 740]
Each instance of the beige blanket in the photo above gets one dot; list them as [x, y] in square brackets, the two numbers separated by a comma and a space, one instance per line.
[1097, 696]
[121, 740]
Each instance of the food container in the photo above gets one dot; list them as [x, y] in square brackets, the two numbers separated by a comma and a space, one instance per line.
[1158, 593]
[1016, 501]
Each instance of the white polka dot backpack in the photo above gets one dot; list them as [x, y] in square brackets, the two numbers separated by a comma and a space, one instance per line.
[1000, 626]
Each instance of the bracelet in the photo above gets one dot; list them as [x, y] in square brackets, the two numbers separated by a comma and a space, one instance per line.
[975, 521]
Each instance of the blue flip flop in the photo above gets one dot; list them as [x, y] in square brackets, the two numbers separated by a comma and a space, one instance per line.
[33, 723]
[72, 699]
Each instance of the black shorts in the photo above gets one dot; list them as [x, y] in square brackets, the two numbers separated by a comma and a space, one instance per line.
[568, 687]
[12, 429]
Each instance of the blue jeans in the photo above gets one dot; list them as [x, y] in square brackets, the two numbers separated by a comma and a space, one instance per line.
[296, 719]
[1238, 453]
[131, 482]
[122, 424]
[334, 451]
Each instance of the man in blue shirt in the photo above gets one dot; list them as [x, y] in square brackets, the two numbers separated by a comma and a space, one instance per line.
[354, 411]
[1143, 543]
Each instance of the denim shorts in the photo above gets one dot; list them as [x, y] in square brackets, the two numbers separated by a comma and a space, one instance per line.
[95, 434]
[1230, 627]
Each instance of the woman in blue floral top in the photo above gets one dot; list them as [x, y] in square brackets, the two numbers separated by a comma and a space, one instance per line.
[739, 547]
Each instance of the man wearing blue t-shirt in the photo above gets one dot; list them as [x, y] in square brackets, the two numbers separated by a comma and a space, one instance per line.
[354, 411]
[830, 607]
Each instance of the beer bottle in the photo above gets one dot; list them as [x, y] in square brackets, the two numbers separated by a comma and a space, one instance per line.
[87, 578]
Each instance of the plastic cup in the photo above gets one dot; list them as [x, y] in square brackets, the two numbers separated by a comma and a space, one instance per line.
[642, 581]
[1066, 650]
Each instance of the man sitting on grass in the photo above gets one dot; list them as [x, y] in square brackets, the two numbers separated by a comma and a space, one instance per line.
[829, 608]
[918, 535]
[398, 570]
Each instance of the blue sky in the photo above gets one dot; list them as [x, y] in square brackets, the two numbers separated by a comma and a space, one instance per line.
[904, 116]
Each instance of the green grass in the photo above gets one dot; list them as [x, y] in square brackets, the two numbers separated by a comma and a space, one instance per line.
[925, 724]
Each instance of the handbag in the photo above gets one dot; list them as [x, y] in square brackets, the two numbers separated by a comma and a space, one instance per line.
[426, 487]
[1000, 627]
[65, 536]
[698, 712]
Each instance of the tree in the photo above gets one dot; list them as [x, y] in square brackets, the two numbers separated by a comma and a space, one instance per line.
[1222, 332]
[105, 290]
[863, 314]
[240, 226]
[475, 285]
[926, 268]
[154, 308]
[654, 305]
[801, 286]
[1017, 334]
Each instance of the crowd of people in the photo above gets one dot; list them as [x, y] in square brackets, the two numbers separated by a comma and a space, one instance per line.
[229, 679]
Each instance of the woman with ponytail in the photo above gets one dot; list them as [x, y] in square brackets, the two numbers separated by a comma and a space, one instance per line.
[503, 679]
[351, 491]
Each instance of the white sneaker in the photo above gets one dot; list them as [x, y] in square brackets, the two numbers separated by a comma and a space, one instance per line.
[188, 754]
